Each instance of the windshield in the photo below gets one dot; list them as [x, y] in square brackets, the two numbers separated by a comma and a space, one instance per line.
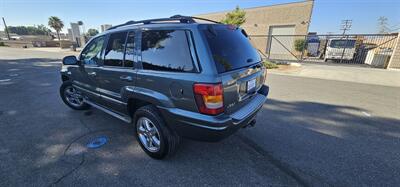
[229, 47]
[342, 43]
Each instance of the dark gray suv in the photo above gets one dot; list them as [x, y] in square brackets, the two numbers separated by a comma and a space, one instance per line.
[171, 77]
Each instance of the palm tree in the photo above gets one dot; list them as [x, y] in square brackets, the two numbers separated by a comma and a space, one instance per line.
[56, 24]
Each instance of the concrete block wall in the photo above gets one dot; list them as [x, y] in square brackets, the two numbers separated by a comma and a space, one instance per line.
[395, 59]
[260, 19]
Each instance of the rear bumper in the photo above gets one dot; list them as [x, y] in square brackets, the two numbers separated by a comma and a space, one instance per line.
[202, 127]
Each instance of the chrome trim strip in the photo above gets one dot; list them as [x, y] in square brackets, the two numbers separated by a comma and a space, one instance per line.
[102, 96]
[86, 90]
[204, 126]
[108, 92]
[81, 84]
[188, 113]
[126, 119]
[113, 100]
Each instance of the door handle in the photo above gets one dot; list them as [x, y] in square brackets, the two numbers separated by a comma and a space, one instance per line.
[92, 73]
[126, 78]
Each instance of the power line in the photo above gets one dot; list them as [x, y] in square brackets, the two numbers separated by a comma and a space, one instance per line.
[346, 25]
[398, 28]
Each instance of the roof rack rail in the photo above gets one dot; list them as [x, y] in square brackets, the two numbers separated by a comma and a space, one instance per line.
[193, 18]
[180, 18]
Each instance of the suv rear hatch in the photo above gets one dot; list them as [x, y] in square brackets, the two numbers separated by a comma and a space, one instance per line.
[237, 62]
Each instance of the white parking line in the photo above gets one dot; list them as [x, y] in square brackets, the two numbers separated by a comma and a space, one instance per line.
[4, 80]
[366, 114]
[14, 75]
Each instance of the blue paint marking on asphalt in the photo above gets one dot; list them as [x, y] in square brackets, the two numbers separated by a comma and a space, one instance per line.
[97, 142]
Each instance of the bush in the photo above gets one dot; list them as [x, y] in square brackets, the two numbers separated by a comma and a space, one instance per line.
[2, 44]
[270, 65]
[299, 45]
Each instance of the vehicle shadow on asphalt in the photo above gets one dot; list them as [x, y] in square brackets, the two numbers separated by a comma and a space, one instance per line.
[339, 121]
[327, 144]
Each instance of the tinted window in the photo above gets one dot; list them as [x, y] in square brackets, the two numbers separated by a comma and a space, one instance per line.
[91, 55]
[166, 50]
[114, 54]
[229, 47]
[129, 51]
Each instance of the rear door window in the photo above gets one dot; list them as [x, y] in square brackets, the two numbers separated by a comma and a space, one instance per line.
[114, 54]
[229, 47]
[130, 50]
[166, 50]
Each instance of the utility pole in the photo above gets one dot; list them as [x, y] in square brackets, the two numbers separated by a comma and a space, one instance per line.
[6, 29]
[346, 25]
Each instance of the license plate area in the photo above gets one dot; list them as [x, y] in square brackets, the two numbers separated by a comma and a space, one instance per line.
[251, 85]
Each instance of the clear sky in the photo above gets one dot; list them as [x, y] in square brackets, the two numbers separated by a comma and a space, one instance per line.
[326, 16]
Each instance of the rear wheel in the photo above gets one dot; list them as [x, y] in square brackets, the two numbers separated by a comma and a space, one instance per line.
[72, 97]
[156, 139]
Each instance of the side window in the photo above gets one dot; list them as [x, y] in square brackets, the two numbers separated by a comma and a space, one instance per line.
[91, 55]
[129, 50]
[166, 50]
[114, 54]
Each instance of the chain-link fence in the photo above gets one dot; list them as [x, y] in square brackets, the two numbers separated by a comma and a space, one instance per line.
[372, 49]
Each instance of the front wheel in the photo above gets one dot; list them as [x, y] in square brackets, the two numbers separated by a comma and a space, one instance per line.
[72, 97]
[156, 139]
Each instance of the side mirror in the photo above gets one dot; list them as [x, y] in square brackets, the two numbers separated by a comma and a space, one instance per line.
[70, 60]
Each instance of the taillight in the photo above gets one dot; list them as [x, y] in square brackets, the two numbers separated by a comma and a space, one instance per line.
[209, 98]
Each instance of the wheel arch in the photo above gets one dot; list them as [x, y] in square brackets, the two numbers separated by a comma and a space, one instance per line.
[138, 97]
[64, 78]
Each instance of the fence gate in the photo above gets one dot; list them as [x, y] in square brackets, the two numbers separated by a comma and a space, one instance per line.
[371, 49]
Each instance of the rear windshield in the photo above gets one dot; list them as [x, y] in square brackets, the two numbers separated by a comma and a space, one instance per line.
[229, 47]
[342, 43]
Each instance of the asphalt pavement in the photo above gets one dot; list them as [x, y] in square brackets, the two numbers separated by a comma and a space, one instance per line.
[310, 132]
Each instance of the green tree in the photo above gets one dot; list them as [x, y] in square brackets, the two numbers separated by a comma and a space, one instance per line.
[29, 30]
[299, 45]
[236, 17]
[92, 32]
[56, 24]
[43, 29]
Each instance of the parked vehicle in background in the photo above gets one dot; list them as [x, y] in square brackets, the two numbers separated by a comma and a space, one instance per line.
[171, 78]
[340, 49]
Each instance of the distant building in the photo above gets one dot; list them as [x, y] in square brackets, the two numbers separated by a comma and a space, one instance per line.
[104, 27]
[70, 36]
[76, 33]
[280, 19]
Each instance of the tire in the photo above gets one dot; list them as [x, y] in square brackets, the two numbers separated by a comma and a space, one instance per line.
[168, 140]
[67, 85]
